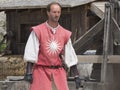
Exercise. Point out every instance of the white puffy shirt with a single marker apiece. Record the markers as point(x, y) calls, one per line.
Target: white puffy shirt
point(32, 50)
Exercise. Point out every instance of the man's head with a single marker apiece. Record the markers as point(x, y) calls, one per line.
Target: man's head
point(54, 11)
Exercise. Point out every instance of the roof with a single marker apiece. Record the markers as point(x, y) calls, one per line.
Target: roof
point(27, 4)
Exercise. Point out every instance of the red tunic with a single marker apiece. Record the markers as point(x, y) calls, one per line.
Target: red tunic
point(51, 46)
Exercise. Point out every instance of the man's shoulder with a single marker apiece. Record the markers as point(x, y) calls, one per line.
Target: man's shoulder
point(39, 25)
point(66, 30)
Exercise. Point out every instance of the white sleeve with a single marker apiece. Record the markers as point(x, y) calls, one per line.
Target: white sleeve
point(32, 48)
point(70, 55)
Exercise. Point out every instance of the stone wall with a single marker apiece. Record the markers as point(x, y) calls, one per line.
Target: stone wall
point(22, 85)
point(2, 23)
point(11, 66)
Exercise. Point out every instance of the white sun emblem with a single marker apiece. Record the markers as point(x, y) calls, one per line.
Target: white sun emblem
point(53, 47)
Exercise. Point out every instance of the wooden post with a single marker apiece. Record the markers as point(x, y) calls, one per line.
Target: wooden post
point(105, 45)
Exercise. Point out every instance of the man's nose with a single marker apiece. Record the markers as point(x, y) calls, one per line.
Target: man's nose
point(57, 14)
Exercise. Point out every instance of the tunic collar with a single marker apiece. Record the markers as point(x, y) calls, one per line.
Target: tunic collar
point(53, 29)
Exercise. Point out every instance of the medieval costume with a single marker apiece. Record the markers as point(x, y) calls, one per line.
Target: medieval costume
point(44, 47)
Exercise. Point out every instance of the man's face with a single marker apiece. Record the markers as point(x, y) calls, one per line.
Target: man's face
point(55, 12)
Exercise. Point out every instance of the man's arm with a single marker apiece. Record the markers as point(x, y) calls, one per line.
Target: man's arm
point(31, 55)
point(28, 74)
point(31, 48)
point(75, 73)
point(70, 55)
point(71, 61)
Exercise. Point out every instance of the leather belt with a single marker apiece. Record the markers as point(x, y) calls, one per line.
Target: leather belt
point(52, 66)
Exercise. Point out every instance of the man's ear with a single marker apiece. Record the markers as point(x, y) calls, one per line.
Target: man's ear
point(48, 13)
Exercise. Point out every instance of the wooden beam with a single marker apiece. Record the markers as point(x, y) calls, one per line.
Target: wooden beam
point(106, 45)
point(116, 32)
point(93, 43)
point(98, 8)
point(88, 36)
point(97, 59)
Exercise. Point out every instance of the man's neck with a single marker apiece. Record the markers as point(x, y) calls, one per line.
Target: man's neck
point(52, 24)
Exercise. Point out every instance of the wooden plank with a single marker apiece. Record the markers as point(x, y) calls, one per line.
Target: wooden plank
point(97, 58)
point(88, 36)
point(78, 28)
point(116, 32)
point(98, 8)
point(106, 44)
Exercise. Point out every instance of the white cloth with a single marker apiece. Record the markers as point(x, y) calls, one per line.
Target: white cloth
point(53, 29)
point(70, 55)
point(32, 50)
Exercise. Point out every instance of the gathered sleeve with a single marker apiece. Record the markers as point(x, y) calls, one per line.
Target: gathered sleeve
point(70, 56)
point(32, 48)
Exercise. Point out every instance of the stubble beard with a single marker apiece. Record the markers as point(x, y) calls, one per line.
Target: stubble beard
point(55, 19)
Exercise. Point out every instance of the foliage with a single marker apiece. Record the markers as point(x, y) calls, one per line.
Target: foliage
point(2, 47)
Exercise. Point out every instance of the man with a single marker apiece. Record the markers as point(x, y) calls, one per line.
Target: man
point(45, 46)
